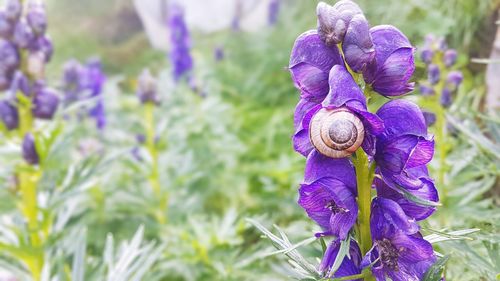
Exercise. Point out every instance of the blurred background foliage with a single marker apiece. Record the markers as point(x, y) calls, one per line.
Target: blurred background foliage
point(228, 156)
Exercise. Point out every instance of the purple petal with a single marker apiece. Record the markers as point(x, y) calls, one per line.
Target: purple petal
point(387, 39)
point(301, 140)
point(343, 89)
point(319, 166)
point(393, 154)
point(358, 46)
point(413, 248)
point(392, 76)
point(421, 154)
point(388, 217)
point(300, 111)
point(402, 117)
point(349, 266)
point(310, 63)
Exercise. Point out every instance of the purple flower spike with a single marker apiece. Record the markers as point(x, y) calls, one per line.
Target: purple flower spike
point(23, 35)
point(30, 154)
point(390, 72)
point(358, 46)
point(310, 64)
point(9, 115)
point(328, 194)
point(182, 62)
point(45, 103)
point(96, 79)
point(404, 144)
point(13, 10)
point(333, 22)
point(401, 257)
point(426, 55)
point(446, 98)
point(427, 192)
point(433, 74)
point(450, 57)
point(37, 18)
point(454, 79)
point(349, 266)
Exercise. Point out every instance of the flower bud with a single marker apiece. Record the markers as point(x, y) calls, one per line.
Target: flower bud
point(430, 118)
point(426, 90)
point(6, 27)
point(9, 56)
point(454, 79)
point(146, 87)
point(45, 103)
point(44, 45)
point(446, 98)
point(37, 18)
point(30, 154)
point(358, 46)
point(13, 10)
point(20, 83)
point(450, 57)
point(9, 115)
point(23, 35)
point(433, 74)
point(333, 22)
point(427, 55)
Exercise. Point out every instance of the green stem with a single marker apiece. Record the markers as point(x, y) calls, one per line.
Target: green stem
point(364, 178)
point(154, 178)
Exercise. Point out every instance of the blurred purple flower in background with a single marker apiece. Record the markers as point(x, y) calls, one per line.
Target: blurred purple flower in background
point(30, 154)
point(273, 11)
point(9, 115)
point(219, 53)
point(95, 82)
point(45, 103)
point(180, 43)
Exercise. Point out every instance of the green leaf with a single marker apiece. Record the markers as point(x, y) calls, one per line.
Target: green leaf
point(343, 252)
point(435, 272)
point(416, 199)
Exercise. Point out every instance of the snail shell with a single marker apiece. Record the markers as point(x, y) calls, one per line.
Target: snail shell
point(336, 133)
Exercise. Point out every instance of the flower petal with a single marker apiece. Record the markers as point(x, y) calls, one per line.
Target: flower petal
point(402, 117)
point(358, 46)
point(392, 76)
point(388, 217)
point(319, 166)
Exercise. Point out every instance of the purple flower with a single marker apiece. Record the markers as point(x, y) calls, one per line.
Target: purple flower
point(394, 65)
point(23, 36)
point(328, 192)
point(426, 55)
point(219, 53)
point(345, 23)
point(30, 154)
point(446, 98)
point(274, 9)
point(13, 10)
point(9, 115)
point(454, 79)
point(45, 103)
point(310, 64)
point(426, 90)
point(37, 18)
point(450, 57)
point(73, 81)
point(9, 56)
point(401, 251)
point(433, 74)
point(400, 257)
point(430, 118)
point(333, 22)
point(349, 266)
point(146, 87)
point(180, 56)
point(345, 94)
point(20, 83)
point(6, 26)
point(95, 82)
point(427, 192)
point(404, 144)
point(44, 45)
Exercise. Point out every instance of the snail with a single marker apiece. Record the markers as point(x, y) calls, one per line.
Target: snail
point(336, 133)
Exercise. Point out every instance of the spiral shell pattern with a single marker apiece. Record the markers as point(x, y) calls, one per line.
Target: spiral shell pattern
point(336, 133)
